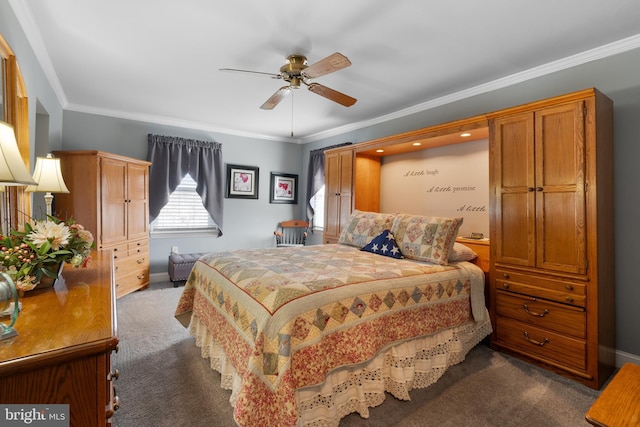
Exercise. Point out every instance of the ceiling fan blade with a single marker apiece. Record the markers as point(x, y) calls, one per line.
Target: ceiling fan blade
point(331, 63)
point(332, 94)
point(235, 70)
point(275, 99)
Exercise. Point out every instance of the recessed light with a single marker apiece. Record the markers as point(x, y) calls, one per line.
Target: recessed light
point(465, 134)
point(379, 151)
point(416, 144)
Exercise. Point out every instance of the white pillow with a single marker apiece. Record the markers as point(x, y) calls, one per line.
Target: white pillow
point(460, 252)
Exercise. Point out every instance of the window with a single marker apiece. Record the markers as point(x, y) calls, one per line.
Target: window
point(184, 212)
point(317, 203)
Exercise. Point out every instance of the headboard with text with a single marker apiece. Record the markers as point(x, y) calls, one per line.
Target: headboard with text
point(450, 181)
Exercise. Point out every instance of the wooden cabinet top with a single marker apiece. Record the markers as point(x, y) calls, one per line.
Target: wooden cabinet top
point(98, 153)
point(73, 319)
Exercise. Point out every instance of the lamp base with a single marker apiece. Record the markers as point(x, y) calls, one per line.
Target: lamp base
point(8, 333)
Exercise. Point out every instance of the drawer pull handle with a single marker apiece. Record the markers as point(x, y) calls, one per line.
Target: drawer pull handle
point(569, 287)
point(505, 285)
point(540, 343)
point(140, 277)
point(116, 401)
point(569, 299)
point(505, 275)
point(113, 375)
point(526, 308)
point(140, 260)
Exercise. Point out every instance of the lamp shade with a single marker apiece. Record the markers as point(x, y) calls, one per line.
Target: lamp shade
point(48, 176)
point(12, 168)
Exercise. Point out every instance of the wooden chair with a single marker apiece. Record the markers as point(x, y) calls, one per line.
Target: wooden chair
point(291, 233)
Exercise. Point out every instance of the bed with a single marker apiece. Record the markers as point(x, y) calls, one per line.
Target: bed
point(304, 336)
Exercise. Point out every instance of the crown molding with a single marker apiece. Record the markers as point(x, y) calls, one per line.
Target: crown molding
point(604, 51)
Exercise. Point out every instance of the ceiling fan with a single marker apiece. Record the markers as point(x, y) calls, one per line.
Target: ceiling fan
point(296, 71)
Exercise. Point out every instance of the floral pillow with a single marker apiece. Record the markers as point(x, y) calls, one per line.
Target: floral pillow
point(362, 227)
point(425, 238)
point(384, 244)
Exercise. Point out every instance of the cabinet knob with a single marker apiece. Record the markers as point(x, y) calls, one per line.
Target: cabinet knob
point(505, 285)
point(569, 299)
point(568, 287)
point(505, 275)
point(539, 188)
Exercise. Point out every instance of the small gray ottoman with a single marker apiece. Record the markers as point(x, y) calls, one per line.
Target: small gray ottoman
point(180, 266)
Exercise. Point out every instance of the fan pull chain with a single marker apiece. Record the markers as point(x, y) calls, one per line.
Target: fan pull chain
point(292, 113)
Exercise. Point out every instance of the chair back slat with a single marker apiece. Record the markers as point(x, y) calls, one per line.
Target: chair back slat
point(291, 233)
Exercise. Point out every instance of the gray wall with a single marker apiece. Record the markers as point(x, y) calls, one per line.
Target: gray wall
point(249, 223)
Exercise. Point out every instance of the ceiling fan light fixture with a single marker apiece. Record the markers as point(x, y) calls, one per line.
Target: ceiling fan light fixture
point(296, 71)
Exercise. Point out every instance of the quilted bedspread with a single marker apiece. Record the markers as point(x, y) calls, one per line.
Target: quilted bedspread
point(285, 317)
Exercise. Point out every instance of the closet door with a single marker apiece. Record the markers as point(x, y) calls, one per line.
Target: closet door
point(338, 193)
point(560, 189)
point(514, 176)
point(137, 201)
point(114, 197)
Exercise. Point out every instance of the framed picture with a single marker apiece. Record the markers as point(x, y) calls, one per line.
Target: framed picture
point(284, 188)
point(242, 181)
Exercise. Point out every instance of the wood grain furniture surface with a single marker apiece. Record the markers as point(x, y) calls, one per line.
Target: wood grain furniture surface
point(109, 195)
point(339, 183)
point(619, 403)
point(62, 353)
point(551, 209)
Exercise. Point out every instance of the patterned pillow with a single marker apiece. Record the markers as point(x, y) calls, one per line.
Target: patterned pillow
point(384, 244)
point(362, 227)
point(425, 238)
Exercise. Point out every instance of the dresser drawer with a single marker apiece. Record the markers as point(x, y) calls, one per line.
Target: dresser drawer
point(133, 281)
point(561, 318)
point(140, 246)
point(119, 251)
point(131, 263)
point(562, 291)
point(541, 344)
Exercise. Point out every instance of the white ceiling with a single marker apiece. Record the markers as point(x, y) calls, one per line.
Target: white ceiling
point(159, 60)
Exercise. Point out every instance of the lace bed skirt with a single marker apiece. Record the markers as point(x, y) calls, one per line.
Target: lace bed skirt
point(356, 388)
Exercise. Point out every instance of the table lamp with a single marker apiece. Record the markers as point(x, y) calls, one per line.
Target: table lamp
point(49, 180)
point(12, 168)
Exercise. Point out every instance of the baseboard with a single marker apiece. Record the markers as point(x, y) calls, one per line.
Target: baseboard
point(623, 357)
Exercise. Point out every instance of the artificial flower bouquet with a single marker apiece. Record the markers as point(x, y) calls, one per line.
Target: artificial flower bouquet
point(39, 248)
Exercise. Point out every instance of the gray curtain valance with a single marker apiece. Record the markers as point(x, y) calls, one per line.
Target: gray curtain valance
point(172, 158)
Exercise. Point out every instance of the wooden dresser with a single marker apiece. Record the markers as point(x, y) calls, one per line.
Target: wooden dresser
point(62, 353)
point(552, 247)
point(109, 195)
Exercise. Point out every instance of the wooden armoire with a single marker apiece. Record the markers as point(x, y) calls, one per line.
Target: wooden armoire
point(552, 226)
point(109, 195)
